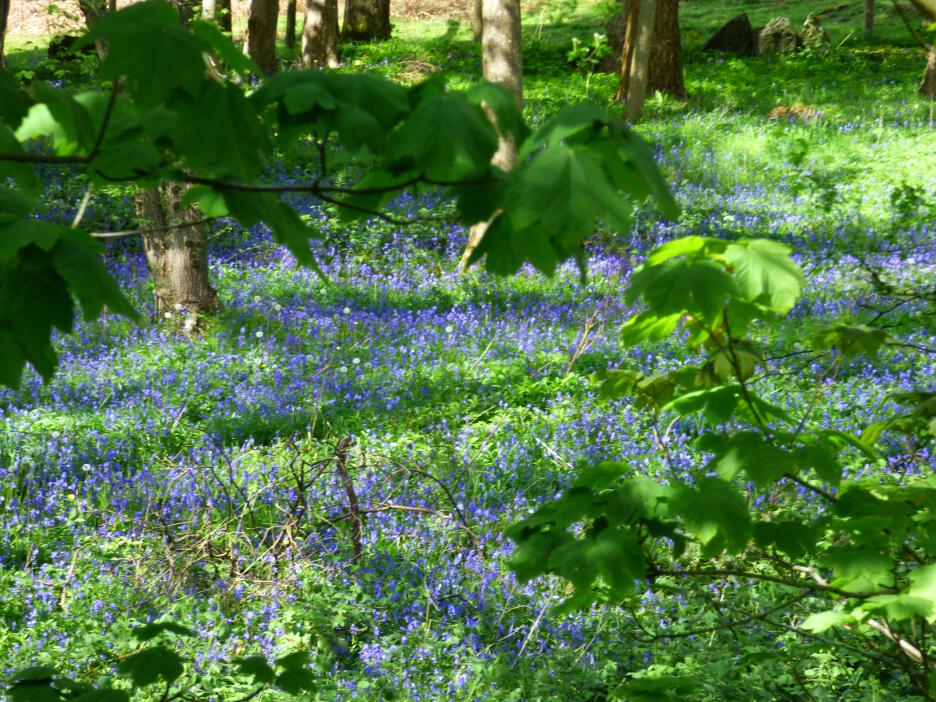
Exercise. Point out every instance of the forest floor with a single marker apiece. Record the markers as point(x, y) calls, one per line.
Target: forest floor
point(161, 476)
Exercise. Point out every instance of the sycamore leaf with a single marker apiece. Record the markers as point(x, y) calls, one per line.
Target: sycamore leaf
point(899, 607)
point(715, 513)
point(699, 288)
point(850, 340)
point(823, 621)
point(224, 48)
point(154, 629)
point(149, 665)
point(256, 667)
point(765, 273)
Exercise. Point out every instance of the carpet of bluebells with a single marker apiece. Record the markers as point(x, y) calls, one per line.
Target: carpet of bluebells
point(159, 476)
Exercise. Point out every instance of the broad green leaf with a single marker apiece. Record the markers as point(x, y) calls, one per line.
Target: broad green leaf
point(14, 104)
point(33, 692)
point(209, 200)
point(716, 403)
point(151, 631)
point(823, 621)
point(699, 288)
point(219, 133)
point(821, 459)
point(569, 124)
point(23, 174)
point(648, 326)
point(105, 695)
point(445, 138)
point(296, 681)
point(58, 115)
point(151, 51)
point(11, 358)
point(686, 246)
point(765, 273)
point(793, 538)
point(501, 103)
point(899, 607)
point(33, 673)
point(224, 48)
point(75, 258)
point(658, 688)
point(850, 340)
point(602, 475)
point(531, 555)
point(750, 451)
point(614, 556)
point(923, 582)
point(256, 667)
point(858, 568)
point(715, 513)
point(287, 227)
point(151, 665)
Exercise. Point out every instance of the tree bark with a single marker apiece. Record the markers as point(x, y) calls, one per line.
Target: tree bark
point(177, 254)
point(92, 11)
point(868, 18)
point(665, 62)
point(501, 63)
point(320, 34)
point(640, 64)
point(209, 10)
point(261, 34)
point(927, 87)
point(477, 18)
point(366, 20)
point(223, 15)
point(290, 23)
point(4, 15)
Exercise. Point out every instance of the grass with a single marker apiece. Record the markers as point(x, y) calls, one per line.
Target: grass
point(153, 476)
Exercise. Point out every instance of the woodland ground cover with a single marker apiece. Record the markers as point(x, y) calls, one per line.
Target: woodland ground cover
point(159, 476)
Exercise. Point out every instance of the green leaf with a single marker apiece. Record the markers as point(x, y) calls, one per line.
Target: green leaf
point(687, 246)
point(24, 174)
point(823, 621)
point(33, 692)
point(715, 513)
point(700, 288)
point(850, 340)
point(501, 102)
point(899, 607)
point(923, 582)
point(11, 359)
point(859, 568)
point(219, 133)
point(34, 673)
point(648, 326)
point(445, 138)
point(149, 48)
point(765, 273)
point(105, 695)
point(749, 451)
point(14, 103)
point(821, 459)
point(793, 538)
point(614, 556)
point(75, 258)
point(659, 688)
point(256, 667)
point(284, 222)
point(295, 681)
point(602, 475)
point(149, 665)
point(151, 631)
point(224, 48)
point(210, 201)
point(717, 403)
point(60, 116)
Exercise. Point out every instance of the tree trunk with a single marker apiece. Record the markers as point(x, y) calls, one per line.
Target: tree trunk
point(177, 254)
point(223, 15)
point(93, 10)
point(477, 21)
point(640, 65)
point(320, 34)
point(261, 34)
point(665, 67)
point(290, 23)
point(209, 10)
point(868, 18)
point(927, 87)
point(4, 15)
point(501, 63)
point(366, 20)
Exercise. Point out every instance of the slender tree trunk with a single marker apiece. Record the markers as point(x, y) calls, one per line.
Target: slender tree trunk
point(501, 63)
point(261, 34)
point(92, 11)
point(366, 20)
point(4, 15)
point(223, 15)
point(290, 23)
point(927, 87)
point(209, 10)
point(477, 21)
point(112, 5)
point(320, 34)
point(868, 19)
point(665, 67)
point(640, 65)
point(177, 254)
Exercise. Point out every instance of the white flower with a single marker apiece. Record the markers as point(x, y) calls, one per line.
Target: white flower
point(167, 315)
point(178, 307)
point(259, 335)
point(347, 310)
point(343, 369)
point(86, 468)
point(277, 306)
point(356, 360)
point(449, 329)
